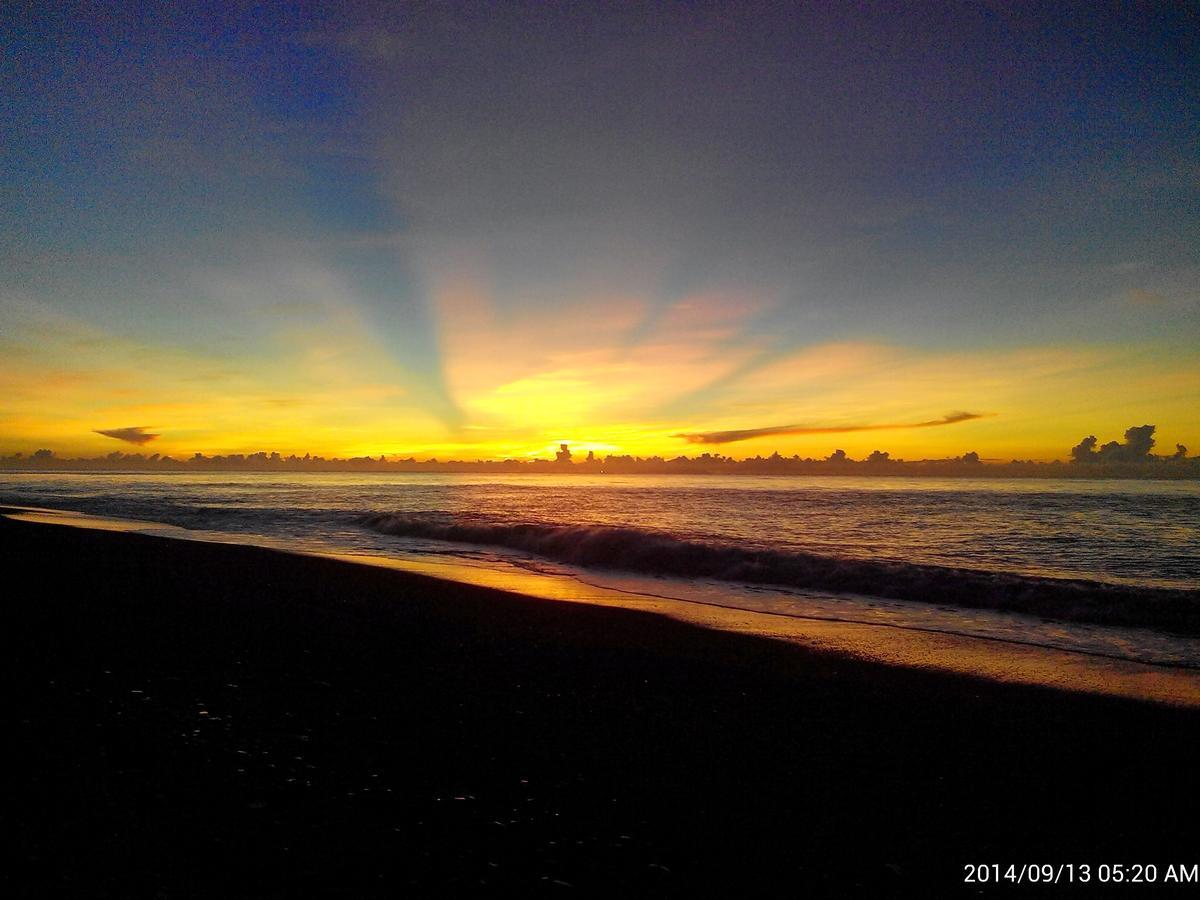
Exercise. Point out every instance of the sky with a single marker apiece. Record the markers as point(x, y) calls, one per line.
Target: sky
point(477, 230)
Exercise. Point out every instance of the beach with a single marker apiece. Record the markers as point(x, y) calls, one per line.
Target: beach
point(198, 719)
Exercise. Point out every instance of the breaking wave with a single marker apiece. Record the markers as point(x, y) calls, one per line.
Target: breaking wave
point(656, 553)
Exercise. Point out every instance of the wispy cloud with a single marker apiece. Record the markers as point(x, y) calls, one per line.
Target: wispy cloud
point(134, 434)
point(745, 434)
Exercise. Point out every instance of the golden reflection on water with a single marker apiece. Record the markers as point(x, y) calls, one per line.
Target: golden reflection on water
point(995, 660)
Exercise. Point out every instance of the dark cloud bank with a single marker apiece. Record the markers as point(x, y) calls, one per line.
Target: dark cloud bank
point(1139, 441)
point(1129, 460)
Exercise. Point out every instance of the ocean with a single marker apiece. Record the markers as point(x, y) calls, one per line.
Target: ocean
point(1107, 568)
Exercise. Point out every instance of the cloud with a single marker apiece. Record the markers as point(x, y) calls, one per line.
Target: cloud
point(135, 434)
point(1139, 441)
point(745, 434)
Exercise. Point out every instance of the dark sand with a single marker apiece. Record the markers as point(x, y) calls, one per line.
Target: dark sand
point(209, 720)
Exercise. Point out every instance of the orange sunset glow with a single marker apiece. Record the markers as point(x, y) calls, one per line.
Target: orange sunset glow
point(608, 375)
point(323, 241)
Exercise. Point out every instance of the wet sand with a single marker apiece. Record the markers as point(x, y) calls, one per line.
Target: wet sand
point(197, 719)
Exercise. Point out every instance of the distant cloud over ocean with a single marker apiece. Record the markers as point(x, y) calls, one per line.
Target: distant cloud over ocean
point(745, 434)
point(135, 434)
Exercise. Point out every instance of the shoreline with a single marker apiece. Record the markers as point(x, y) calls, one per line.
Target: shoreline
point(991, 658)
point(195, 718)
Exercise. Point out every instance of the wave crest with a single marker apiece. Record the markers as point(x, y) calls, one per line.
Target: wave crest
point(651, 552)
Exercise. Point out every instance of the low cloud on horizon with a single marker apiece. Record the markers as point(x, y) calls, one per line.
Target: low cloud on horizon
point(136, 434)
point(745, 434)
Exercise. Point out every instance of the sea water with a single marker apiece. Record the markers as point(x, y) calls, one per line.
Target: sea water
point(1004, 560)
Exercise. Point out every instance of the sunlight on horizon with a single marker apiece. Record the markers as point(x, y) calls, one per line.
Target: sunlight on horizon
point(521, 384)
